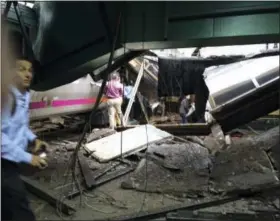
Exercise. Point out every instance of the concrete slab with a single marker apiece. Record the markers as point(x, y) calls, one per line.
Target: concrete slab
point(99, 133)
point(123, 143)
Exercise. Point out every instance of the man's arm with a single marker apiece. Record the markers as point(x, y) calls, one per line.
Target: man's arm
point(30, 135)
point(10, 152)
point(191, 110)
point(186, 105)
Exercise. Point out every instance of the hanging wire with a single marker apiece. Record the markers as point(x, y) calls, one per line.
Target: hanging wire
point(147, 143)
point(124, 50)
point(101, 91)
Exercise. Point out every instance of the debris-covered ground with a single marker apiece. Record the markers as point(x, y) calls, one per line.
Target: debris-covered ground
point(166, 174)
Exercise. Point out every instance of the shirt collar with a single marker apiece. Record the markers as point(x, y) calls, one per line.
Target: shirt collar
point(17, 93)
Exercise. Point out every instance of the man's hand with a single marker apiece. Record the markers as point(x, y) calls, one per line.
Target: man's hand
point(39, 162)
point(39, 145)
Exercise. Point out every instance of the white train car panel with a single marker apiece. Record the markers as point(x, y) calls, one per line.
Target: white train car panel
point(76, 97)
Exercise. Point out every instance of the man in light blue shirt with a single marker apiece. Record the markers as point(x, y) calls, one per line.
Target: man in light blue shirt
point(128, 91)
point(127, 95)
point(15, 137)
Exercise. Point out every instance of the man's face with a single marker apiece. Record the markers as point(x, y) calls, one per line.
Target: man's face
point(24, 73)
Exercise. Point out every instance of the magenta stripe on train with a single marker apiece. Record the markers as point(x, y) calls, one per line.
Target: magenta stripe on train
point(62, 103)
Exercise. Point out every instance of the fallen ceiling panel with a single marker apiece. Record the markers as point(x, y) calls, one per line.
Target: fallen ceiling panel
point(123, 143)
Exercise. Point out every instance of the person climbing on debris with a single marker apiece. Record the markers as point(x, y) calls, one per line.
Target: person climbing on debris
point(208, 117)
point(114, 94)
point(128, 88)
point(191, 112)
point(15, 137)
point(184, 108)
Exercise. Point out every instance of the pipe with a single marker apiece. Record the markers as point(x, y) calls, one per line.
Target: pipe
point(25, 36)
point(7, 9)
point(75, 154)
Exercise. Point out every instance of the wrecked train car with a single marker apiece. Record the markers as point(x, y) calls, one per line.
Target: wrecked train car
point(80, 95)
point(243, 91)
point(76, 97)
point(73, 97)
point(178, 76)
point(227, 83)
point(148, 85)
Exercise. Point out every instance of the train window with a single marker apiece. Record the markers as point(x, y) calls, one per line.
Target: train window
point(232, 92)
point(268, 76)
point(152, 69)
point(155, 69)
point(146, 63)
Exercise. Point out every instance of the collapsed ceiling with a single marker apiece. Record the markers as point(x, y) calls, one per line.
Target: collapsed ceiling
point(69, 46)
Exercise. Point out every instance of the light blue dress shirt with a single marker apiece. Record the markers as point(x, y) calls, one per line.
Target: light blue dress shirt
point(128, 91)
point(15, 129)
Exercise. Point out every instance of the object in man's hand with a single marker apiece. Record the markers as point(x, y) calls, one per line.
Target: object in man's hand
point(43, 155)
point(39, 162)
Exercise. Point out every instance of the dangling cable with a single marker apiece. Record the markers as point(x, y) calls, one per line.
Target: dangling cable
point(72, 163)
point(100, 94)
point(123, 77)
point(146, 129)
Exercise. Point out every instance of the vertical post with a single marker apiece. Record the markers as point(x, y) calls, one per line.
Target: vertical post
point(140, 99)
point(134, 91)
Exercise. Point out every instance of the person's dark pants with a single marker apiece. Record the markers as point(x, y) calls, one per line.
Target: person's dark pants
point(15, 205)
point(184, 118)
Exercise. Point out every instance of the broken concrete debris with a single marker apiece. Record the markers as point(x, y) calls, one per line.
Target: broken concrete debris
point(70, 146)
point(57, 120)
point(191, 158)
point(34, 187)
point(192, 167)
point(239, 167)
point(268, 141)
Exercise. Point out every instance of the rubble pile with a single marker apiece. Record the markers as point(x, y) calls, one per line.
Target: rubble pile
point(174, 169)
point(204, 169)
point(189, 168)
point(241, 168)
